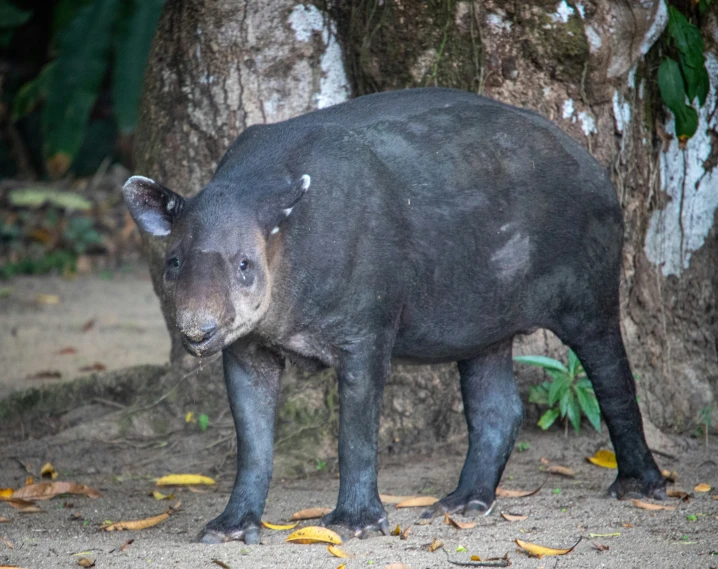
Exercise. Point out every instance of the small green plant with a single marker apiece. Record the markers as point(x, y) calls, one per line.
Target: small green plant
point(321, 465)
point(681, 81)
point(692, 518)
point(203, 422)
point(568, 394)
point(523, 446)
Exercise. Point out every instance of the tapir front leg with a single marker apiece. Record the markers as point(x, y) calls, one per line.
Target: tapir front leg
point(252, 377)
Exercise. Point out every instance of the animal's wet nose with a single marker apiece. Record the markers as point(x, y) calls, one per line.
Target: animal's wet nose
point(201, 333)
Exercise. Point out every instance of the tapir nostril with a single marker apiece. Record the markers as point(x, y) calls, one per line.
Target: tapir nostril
point(203, 333)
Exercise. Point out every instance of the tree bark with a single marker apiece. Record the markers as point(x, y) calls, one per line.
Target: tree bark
point(218, 66)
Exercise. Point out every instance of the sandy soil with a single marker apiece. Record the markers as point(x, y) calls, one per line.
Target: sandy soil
point(113, 319)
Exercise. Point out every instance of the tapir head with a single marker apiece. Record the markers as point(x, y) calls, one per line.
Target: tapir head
point(216, 272)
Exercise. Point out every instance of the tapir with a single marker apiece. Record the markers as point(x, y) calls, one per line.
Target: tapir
point(423, 226)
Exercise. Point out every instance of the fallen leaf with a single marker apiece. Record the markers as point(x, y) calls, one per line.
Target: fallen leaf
point(4, 520)
point(545, 460)
point(342, 566)
point(47, 490)
point(29, 481)
point(603, 458)
point(396, 566)
point(561, 470)
point(627, 525)
point(185, 480)
point(86, 562)
point(396, 530)
point(22, 505)
point(126, 544)
point(505, 493)
point(310, 514)
point(648, 506)
point(76, 516)
point(68, 505)
point(436, 544)
point(542, 551)
point(47, 299)
point(513, 517)
point(703, 487)
point(669, 475)
point(6, 492)
point(336, 552)
point(46, 374)
point(8, 542)
point(417, 502)
point(10, 567)
point(715, 498)
point(160, 496)
point(48, 471)
point(389, 499)
point(97, 366)
point(614, 534)
point(314, 534)
point(600, 546)
point(279, 527)
point(680, 494)
point(136, 524)
point(457, 524)
point(405, 533)
point(220, 563)
point(66, 351)
point(89, 325)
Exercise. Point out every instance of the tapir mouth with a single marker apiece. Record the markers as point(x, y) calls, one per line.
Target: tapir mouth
point(205, 347)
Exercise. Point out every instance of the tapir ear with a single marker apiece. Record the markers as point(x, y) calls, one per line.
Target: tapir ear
point(277, 208)
point(153, 207)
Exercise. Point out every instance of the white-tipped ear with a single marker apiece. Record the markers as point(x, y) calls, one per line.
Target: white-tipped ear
point(153, 207)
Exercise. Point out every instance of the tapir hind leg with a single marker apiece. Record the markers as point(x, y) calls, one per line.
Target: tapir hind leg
point(494, 413)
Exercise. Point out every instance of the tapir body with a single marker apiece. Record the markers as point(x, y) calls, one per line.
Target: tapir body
point(426, 225)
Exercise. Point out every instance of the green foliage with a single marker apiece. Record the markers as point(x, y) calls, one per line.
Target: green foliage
point(522, 446)
point(321, 465)
point(11, 17)
point(568, 395)
point(681, 82)
point(203, 422)
point(91, 36)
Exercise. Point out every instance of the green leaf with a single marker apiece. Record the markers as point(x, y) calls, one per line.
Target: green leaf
point(34, 197)
point(64, 12)
point(135, 29)
point(574, 364)
point(687, 37)
point(83, 56)
point(548, 418)
point(538, 394)
point(11, 16)
point(703, 6)
point(704, 84)
point(686, 123)
point(203, 422)
point(584, 383)
point(670, 83)
point(557, 390)
point(542, 362)
point(573, 410)
point(589, 406)
point(32, 93)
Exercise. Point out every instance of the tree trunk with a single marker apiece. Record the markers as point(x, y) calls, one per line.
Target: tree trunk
point(217, 67)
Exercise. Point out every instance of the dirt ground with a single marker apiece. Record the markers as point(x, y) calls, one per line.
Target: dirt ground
point(128, 329)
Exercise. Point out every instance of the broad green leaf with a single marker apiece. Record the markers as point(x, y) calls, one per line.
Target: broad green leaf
point(64, 12)
point(703, 6)
point(686, 123)
point(670, 83)
point(34, 197)
point(548, 418)
point(541, 361)
point(573, 410)
point(538, 394)
point(687, 37)
point(584, 383)
point(135, 29)
point(557, 390)
point(11, 16)
point(83, 56)
point(32, 93)
point(574, 364)
point(704, 84)
point(589, 406)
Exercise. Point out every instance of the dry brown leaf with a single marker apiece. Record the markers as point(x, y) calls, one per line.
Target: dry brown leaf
point(513, 517)
point(66, 351)
point(127, 544)
point(669, 475)
point(436, 544)
point(46, 374)
point(47, 490)
point(417, 502)
point(702, 487)
point(545, 460)
point(680, 494)
point(87, 326)
point(220, 563)
point(48, 471)
point(715, 497)
point(22, 505)
point(6, 493)
point(405, 533)
point(600, 546)
point(314, 534)
point(448, 520)
point(136, 524)
point(649, 506)
point(29, 480)
point(310, 514)
point(396, 530)
point(196, 490)
point(561, 470)
point(396, 566)
point(336, 552)
point(279, 527)
point(603, 458)
point(4, 520)
point(97, 366)
point(627, 525)
point(185, 480)
point(10, 567)
point(389, 499)
point(76, 516)
point(86, 562)
point(506, 493)
point(540, 551)
point(8, 542)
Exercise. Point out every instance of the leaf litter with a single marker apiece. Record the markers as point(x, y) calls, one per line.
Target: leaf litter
point(536, 550)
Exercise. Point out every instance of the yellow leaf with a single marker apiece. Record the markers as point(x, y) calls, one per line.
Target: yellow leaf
point(47, 490)
point(185, 480)
point(436, 544)
point(48, 471)
point(396, 530)
point(47, 299)
point(137, 524)
point(160, 496)
point(513, 517)
point(310, 514)
point(389, 499)
point(703, 487)
point(457, 524)
point(405, 534)
point(417, 502)
point(314, 534)
point(86, 562)
point(672, 476)
point(342, 566)
point(279, 527)
point(29, 480)
point(562, 470)
point(475, 558)
point(336, 552)
point(542, 551)
point(604, 458)
point(189, 417)
point(6, 492)
point(649, 506)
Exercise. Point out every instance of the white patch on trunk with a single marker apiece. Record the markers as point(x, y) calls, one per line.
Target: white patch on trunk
point(563, 13)
point(680, 229)
point(588, 123)
point(593, 38)
point(567, 109)
point(660, 20)
point(497, 21)
point(621, 112)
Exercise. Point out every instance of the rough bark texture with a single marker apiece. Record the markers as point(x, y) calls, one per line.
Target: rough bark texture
point(590, 66)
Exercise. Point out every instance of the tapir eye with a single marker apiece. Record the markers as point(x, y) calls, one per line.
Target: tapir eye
point(243, 265)
point(173, 263)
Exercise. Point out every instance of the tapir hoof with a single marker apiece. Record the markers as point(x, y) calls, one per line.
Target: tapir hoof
point(639, 488)
point(220, 530)
point(361, 525)
point(453, 504)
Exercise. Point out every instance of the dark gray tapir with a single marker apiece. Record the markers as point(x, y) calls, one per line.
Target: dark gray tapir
point(426, 225)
